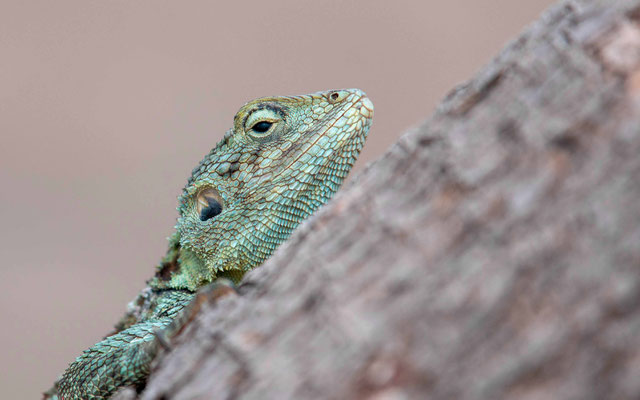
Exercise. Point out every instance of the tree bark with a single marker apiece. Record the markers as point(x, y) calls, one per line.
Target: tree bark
point(494, 252)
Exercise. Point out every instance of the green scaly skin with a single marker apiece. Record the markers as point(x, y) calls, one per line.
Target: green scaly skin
point(243, 200)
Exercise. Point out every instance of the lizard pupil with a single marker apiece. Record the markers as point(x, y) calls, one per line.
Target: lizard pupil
point(214, 208)
point(262, 126)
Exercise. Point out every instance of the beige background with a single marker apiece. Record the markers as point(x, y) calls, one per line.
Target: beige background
point(107, 105)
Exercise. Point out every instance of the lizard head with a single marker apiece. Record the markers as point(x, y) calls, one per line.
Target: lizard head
point(284, 158)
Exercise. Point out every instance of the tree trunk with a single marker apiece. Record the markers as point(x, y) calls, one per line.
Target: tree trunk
point(492, 253)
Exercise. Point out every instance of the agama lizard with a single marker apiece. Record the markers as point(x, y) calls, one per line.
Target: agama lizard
point(283, 158)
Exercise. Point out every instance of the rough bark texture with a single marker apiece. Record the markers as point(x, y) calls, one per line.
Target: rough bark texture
point(492, 253)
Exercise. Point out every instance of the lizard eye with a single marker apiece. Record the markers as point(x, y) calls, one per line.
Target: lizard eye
point(264, 123)
point(208, 204)
point(262, 126)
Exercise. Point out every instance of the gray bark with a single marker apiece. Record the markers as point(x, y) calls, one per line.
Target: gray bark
point(492, 253)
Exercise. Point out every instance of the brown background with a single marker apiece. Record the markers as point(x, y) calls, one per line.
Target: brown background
point(106, 107)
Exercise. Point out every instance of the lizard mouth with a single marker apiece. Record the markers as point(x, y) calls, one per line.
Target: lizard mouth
point(354, 120)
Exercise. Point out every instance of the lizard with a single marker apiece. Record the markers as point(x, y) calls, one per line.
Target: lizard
point(283, 159)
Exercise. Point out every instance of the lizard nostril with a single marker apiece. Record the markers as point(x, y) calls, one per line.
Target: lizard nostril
point(334, 96)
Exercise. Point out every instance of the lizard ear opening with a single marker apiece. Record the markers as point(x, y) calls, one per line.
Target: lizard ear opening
point(208, 204)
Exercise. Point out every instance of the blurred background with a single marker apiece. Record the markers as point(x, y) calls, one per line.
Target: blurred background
point(108, 105)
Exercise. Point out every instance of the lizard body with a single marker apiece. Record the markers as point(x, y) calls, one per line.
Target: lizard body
point(283, 158)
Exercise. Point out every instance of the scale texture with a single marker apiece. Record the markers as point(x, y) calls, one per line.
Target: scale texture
point(284, 158)
point(492, 253)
